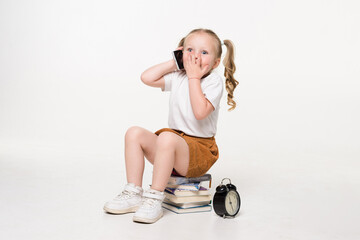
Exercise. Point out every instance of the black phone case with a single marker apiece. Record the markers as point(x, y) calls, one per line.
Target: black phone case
point(178, 55)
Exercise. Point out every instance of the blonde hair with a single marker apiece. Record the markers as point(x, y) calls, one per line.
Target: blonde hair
point(228, 62)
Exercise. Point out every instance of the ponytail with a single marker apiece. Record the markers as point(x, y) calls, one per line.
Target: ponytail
point(230, 68)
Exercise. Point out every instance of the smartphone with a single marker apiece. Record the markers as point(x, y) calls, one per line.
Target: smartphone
point(178, 57)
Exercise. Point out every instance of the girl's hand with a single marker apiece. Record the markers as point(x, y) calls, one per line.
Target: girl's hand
point(193, 67)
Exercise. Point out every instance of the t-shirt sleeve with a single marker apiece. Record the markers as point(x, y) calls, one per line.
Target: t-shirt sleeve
point(168, 81)
point(214, 90)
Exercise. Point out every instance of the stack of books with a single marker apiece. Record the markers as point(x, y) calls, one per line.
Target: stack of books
point(188, 195)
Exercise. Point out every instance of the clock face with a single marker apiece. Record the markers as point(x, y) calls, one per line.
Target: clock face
point(232, 203)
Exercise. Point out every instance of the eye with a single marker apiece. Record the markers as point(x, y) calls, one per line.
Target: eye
point(204, 52)
point(189, 49)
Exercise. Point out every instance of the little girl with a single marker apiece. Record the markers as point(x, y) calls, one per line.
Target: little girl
point(187, 147)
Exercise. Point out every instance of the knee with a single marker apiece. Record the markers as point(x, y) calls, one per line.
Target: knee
point(166, 140)
point(133, 133)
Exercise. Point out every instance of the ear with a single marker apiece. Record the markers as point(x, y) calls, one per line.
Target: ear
point(217, 62)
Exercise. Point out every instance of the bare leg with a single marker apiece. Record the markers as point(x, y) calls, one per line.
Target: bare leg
point(172, 151)
point(139, 142)
point(165, 152)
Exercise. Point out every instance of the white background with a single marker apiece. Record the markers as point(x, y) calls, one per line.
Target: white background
point(70, 86)
point(70, 72)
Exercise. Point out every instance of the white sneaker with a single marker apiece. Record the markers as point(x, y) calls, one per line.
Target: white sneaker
point(126, 202)
point(150, 210)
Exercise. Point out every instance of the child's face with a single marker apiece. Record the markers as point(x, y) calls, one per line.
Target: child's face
point(202, 46)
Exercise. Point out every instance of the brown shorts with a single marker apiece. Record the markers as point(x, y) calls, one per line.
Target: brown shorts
point(203, 152)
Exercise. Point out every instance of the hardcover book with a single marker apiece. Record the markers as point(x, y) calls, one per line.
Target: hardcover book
point(187, 199)
point(186, 186)
point(181, 192)
point(187, 205)
point(206, 208)
point(177, 180)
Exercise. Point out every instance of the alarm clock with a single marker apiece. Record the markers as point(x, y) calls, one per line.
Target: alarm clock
point(226, 202)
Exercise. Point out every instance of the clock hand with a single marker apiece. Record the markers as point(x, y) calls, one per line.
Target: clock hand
point(235, 200)
point(231, 205)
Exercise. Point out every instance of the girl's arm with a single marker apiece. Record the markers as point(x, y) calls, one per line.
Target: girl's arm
point(154, 76)
point(201, 106)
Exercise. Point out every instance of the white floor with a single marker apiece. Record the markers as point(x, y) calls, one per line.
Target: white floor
point(57, 196)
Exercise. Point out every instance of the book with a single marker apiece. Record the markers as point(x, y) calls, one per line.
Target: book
point(187, 205)
point(205, 208)
point(186, 186)
point(177, 180)
point(181, 192)
point(187, 195)
point(187, 199)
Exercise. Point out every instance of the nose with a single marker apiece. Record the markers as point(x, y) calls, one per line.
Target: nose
point(197, 55)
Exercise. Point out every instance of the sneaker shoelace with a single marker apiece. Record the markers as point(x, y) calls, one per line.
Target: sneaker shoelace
point(125, 195)
point(149, 202)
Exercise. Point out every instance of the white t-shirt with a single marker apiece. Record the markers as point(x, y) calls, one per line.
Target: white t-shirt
point(181, 116)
